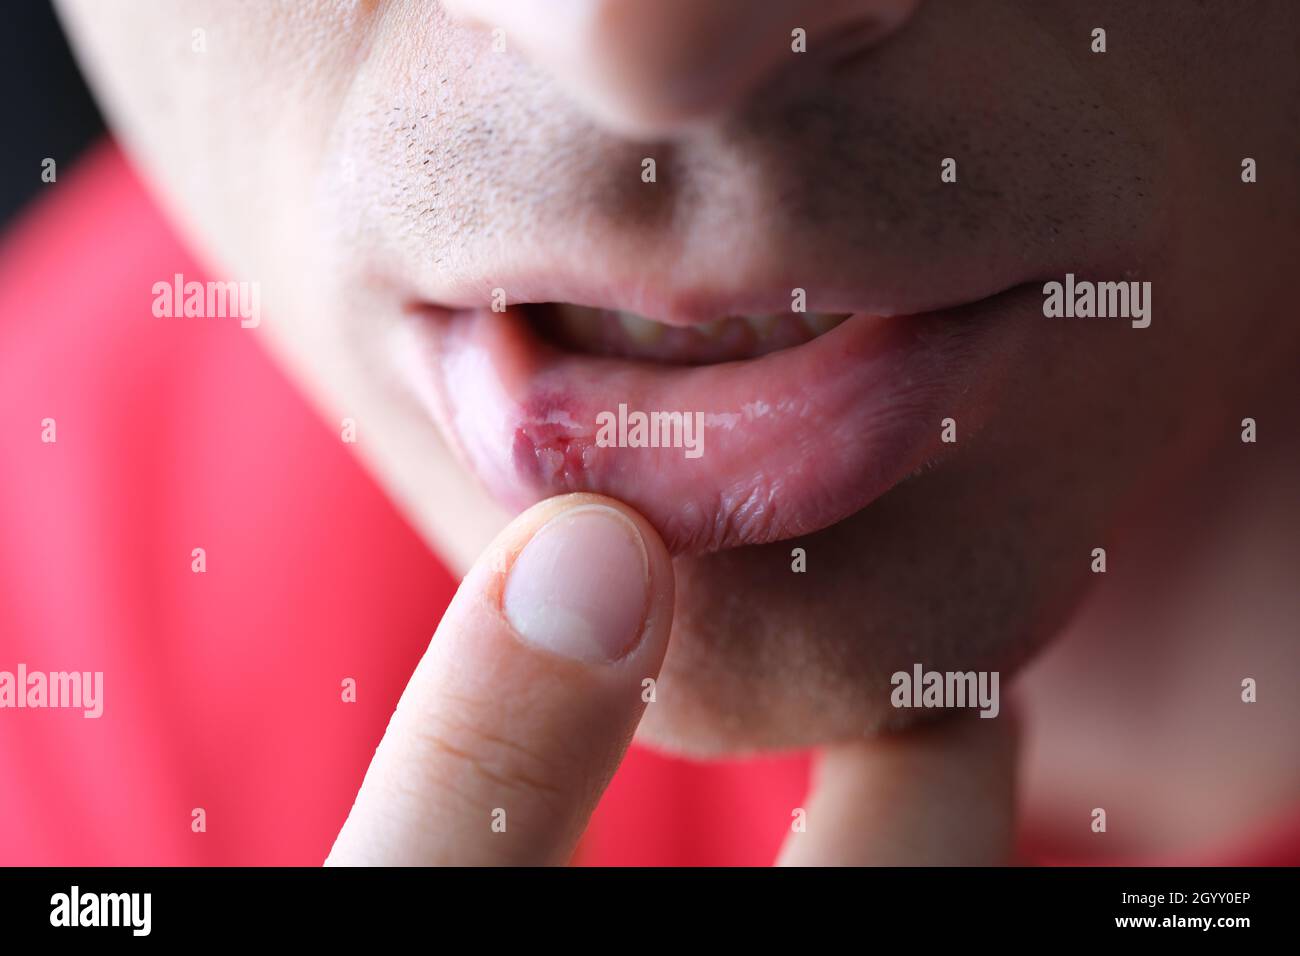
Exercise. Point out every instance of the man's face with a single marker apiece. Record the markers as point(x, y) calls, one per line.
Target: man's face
point(946, 457)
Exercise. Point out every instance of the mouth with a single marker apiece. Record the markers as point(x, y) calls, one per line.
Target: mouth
point(741, 430)
point(621, 334)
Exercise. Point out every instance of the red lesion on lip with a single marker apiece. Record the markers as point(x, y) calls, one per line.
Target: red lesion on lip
point(554, 455)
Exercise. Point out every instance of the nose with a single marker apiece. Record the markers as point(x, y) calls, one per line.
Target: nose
point(649, 67)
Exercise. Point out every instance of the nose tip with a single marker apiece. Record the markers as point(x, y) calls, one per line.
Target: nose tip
point(649, 67)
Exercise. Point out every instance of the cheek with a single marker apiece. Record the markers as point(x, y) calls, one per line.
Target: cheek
point(226, 107)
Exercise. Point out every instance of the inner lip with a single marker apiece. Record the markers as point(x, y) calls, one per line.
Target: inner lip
point(618, 333)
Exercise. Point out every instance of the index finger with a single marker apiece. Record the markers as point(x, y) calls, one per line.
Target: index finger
point(523, 705)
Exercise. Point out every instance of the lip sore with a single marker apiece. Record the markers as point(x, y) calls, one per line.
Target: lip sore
point(548, 455)
point(793, 441)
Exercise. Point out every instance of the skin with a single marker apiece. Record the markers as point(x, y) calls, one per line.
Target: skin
point(354, 156)
point(488, 721)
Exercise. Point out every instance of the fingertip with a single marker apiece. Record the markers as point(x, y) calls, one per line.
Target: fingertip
point(528, 695)
point(585, 577)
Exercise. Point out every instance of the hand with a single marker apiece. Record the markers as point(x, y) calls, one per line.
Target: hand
point(524, 704)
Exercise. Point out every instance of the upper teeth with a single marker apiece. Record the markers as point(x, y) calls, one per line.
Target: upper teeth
point(819, 323)
point(607, 331)
point(647, 331)
point(641, 330)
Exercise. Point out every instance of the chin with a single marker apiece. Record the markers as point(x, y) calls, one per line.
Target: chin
point(763, 658)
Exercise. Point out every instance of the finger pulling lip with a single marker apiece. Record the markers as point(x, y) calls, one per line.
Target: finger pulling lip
point(715, 456)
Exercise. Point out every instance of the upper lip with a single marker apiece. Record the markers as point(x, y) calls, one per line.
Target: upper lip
point(698, 299)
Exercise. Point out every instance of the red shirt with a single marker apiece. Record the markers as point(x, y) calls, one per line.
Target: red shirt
point(223, 690)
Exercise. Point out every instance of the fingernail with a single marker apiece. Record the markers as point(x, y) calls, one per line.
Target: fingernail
point(580, 587)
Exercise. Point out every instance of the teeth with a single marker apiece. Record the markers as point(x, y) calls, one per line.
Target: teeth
point(642, 331)
point(819, 323)
point(608, 331)
point(647, 331)
point(762, 324)
point(712, 330)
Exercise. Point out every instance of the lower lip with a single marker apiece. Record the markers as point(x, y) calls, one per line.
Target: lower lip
point(792, 442)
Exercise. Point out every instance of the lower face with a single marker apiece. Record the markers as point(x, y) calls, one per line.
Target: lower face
point(452, 256)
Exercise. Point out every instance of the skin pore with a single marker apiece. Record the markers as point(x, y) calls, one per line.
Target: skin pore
point(360, 159)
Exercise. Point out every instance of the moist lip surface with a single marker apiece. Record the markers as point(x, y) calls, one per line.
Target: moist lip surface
point(794, 440)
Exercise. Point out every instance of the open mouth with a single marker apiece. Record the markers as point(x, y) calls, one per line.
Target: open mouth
point(619, 334)
point(743, 430)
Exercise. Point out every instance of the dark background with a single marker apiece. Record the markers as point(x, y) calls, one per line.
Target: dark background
point(45, 108)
